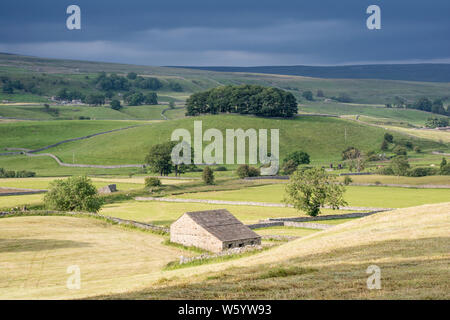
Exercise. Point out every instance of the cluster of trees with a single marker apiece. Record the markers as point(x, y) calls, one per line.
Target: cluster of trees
point(16, 174)
point(424, 104)
point(8, 85)
point(436, 122)
point(65, 94)
point(399, 166)
point(133, 98)
point(343, 97)
point(243, 99)
point(114, 82)
point(32, 85)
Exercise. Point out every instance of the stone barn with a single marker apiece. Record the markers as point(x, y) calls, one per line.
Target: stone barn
point(108, 189)
point(212, 230)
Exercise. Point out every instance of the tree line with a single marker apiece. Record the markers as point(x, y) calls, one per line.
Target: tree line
point(423, 104)
point(243, 99)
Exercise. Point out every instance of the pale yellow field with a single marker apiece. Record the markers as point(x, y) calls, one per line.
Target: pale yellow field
point(35, 253)
point(436, 135)
point(15, 201)
point(164, 213)
point(140, 180)
point(413, 181)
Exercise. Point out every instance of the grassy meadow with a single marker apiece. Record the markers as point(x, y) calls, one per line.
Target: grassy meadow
point(323, 138)
point(410, 244)
point(358, 196)
point(411, 247)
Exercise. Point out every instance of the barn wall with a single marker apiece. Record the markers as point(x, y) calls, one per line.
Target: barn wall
point(186, 232)
point(240, 243)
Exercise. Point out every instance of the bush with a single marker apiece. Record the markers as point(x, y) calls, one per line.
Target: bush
point(152, 182)
point(25, 174)
point(253, 172)
point(208, 175)
point(417, 149)
point(422, 172)
point(299, 157)
point(244, 171)
point(400, 165)
point(73, 194)
point(351, 153)
point(221, 168)
point(445, 170)
point(347, 180)
point(115, 105)
point(18, 174)
point(289, 167)
point(385, 171)
point(399, 150)
point(388, 137)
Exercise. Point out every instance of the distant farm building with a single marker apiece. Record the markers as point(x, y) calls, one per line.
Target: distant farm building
point(213, 230)
point(108, 189)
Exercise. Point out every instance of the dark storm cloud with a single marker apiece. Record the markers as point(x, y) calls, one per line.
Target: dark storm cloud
point(229, 32)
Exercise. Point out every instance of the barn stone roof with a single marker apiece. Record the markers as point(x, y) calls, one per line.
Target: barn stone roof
point(222, 224)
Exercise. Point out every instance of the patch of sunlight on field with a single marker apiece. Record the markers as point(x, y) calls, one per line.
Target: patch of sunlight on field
point(164, 213)
point(285, 231)
point(435, 135)
point(16, 201)
point(373, 178)
point(141, 180)
point(43, 183)
point(383, 197)
point(35, 253)
point(410, 245)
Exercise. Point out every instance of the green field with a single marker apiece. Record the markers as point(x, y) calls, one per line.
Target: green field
point(164, 213)
point(38, 112)
point(323, 138)
point(55, 74)
point(36, 134)
point(415, 117)
point(381, 197)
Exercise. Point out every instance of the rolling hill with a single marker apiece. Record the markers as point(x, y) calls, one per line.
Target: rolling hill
point(324, 138)
point(55, 74)
point(410, 246)
point(427, 72)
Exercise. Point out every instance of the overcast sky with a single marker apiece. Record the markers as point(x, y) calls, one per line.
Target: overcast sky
point(229, 32)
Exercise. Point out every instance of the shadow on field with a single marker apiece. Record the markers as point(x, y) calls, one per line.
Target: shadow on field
point(409, 269)
point(24, 245)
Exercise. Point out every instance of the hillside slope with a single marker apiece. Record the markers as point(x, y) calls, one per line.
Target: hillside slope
point(63, 73)
point(410, 246)
point(409, 72)
point(322, 137)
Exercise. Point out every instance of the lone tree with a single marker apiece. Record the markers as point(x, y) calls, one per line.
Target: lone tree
point(208, 175)
point(400, 165)
point(115, 105)
point(159, 158)
point(388, 137)
point(312, 189)
point(73, 194)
